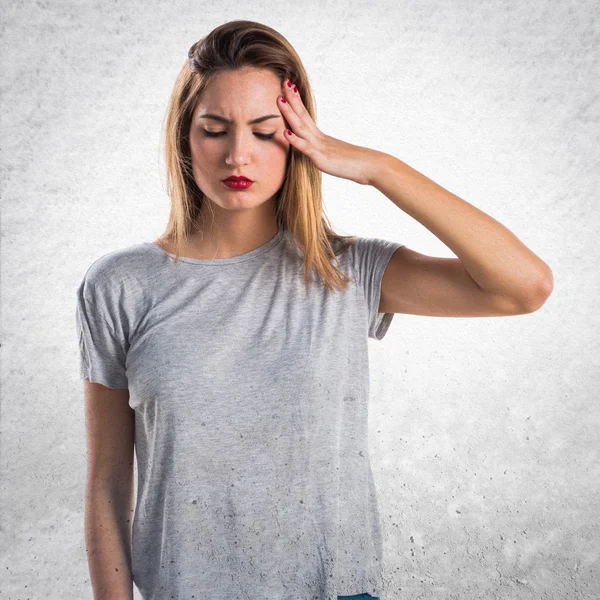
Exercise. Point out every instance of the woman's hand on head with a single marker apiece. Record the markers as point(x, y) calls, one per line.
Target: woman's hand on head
point(330, 155)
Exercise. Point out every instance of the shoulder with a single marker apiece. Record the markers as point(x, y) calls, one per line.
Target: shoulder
point(362, 252)
point(116, 270)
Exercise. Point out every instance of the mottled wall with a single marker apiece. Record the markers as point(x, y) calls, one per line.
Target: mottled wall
point(484, 431)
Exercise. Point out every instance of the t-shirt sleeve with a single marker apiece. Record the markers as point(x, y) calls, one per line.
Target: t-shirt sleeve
point(371, 256)
point(102, 352)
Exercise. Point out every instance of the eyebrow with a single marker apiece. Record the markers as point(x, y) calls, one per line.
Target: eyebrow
point(224, 120)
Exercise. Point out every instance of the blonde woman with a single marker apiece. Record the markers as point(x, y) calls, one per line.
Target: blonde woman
point(232, 351)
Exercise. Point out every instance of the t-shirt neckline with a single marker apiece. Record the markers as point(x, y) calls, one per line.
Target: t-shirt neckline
point(225, 261)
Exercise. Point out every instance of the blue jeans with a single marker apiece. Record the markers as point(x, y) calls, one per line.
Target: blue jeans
point(358, 597)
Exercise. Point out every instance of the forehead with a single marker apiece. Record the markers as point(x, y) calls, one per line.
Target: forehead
point(239, 92)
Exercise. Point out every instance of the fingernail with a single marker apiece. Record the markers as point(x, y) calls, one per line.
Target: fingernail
point(282, 99)
point(289, 83)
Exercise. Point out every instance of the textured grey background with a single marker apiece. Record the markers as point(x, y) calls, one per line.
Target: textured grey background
point(484, 432)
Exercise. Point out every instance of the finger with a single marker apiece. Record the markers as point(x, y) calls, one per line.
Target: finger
point(297, 141)
point(289, 114)
point(293, 97)
point(294, 102)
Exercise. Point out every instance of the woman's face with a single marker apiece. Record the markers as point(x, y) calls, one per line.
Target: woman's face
point(257, 151)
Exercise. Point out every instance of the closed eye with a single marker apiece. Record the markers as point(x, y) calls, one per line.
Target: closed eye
point(263, 136)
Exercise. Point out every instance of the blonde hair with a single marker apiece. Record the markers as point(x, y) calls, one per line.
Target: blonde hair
point(299, 210)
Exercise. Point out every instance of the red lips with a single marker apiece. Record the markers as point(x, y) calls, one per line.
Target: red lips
point(240, 178)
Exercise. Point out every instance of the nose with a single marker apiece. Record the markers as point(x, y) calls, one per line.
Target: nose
point(238, 150)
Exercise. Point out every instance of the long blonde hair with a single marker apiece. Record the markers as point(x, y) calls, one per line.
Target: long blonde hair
point(235, 45)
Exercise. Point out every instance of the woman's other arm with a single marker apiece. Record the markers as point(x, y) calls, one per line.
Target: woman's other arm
point(109, 501)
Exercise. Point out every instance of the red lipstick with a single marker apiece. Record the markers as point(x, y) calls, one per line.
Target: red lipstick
point(238, 183)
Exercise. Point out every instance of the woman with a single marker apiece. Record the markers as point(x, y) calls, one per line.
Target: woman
point(232, 351)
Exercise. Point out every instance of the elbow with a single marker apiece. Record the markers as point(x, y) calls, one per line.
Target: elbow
point(537, 298)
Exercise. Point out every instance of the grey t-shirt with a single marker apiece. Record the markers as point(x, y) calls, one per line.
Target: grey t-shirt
point(251, 415)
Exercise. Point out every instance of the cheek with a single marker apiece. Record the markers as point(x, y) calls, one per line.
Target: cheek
point(204, 157)
point(201, 148)
point(275, 154)
point(272, 165)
